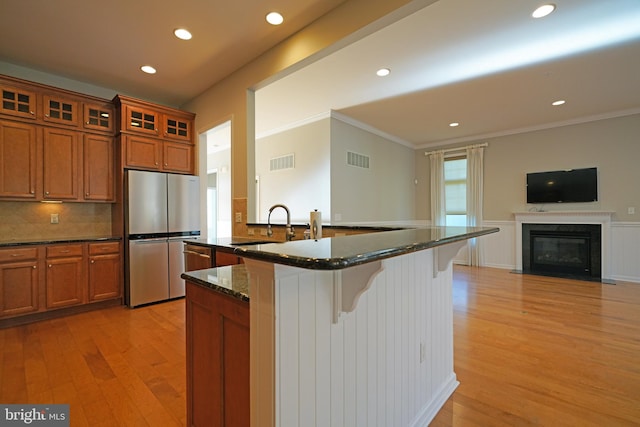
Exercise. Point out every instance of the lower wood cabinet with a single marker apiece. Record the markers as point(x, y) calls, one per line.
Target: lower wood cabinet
point(223, 258)
point(64, 277)
point(197, 257)
point(39, 278)
point(217, 358)
point(18, 281)
point(105, 269)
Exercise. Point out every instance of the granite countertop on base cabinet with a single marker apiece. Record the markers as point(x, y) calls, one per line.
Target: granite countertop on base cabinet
point(231, 280)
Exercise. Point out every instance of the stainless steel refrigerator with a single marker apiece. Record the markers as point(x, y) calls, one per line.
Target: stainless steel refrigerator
point(162, 210)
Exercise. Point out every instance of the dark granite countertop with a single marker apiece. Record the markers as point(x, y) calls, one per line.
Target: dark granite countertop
point(339, 226)
point(53, 240)
point(231, 280)
point(334, 253)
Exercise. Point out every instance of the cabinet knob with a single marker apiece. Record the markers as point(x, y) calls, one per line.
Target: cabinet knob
point(156, 163)
point(33, 191)
point(46, 193)
point(34, 267)
point(166, 164)
point(93, 261)
point(46, 115)
point(49, 265)
point(32, 113)
point(86, 194)
point(87, 122)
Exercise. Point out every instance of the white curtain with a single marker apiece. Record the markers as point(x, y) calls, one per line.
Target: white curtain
point(437, 188)
point(475, 161)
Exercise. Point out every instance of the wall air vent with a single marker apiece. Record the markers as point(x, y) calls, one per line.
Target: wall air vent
point(358, 160)
point(283, 162)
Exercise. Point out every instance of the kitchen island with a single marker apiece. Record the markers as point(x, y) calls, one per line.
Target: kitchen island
point(353, 330)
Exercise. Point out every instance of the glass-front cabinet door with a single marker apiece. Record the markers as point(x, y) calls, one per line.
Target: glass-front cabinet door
point(98, 117)
point(18, 102)
point(177, 128)
point(142, 120)
point(60, 110)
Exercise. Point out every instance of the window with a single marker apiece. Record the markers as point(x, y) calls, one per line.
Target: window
point(455, 191)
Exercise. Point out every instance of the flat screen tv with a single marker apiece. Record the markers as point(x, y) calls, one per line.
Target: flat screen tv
point(566, 186)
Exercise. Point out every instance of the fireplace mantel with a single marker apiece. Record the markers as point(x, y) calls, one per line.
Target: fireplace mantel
point(568, 217)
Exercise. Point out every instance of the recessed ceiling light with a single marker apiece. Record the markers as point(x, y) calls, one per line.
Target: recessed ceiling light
point(274, 18)
point(454, 124)
point(148, 69)
point(182, 34)
point(543, 10)
point(558, 102)
point(383, 72)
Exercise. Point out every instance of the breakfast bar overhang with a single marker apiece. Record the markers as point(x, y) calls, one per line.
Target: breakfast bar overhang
point(354, 330)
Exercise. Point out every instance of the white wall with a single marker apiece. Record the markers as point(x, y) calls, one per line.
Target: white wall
point(382, 193)
point(305, 187)
point(220, 162)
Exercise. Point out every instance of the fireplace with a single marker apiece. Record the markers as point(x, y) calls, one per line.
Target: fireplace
point(564, 250)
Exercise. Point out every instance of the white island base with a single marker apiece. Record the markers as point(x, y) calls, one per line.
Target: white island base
point(370, 345)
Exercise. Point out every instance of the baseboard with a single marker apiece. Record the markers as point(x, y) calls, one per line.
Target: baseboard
point(429, 412)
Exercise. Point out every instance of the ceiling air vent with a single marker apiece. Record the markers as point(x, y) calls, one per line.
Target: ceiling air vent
point(358, 160)
point(280, 163)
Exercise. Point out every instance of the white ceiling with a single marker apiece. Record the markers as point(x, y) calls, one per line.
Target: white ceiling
point(104, 43)
point(448, 60)
point(485, 64)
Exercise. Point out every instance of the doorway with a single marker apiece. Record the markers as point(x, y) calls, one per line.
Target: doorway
point(218, 181)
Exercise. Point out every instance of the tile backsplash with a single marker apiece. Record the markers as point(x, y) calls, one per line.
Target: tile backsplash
point(32, 220)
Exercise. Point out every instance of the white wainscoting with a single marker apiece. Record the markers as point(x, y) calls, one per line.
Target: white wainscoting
point(387, 363)
point(499, 248)
point(500, 251)
point(625, 251)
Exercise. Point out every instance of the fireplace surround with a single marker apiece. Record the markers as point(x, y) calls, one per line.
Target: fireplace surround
point(565, 250)
point(601, 218)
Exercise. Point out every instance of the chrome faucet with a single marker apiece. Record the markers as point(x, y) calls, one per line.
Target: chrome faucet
point(290, 233)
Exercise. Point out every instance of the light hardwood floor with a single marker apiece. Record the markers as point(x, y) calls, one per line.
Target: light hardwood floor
point(538, 351)
point(529, 351)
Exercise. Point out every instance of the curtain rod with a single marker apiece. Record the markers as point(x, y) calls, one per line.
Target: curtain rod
point(448, 150)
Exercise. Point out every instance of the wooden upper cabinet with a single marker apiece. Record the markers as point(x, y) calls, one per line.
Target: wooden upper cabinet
point(99, 117)
point(141, 120)
point(61, 154)
point(178, 128)
point(144, 153)
point(98, 168)
point(155, 137)
point(177, 157)
point(18, 102)
point(60, 110)
point(18, 167)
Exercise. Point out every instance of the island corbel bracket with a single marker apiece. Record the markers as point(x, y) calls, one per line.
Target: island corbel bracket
point(442, 256)
point(349, 284)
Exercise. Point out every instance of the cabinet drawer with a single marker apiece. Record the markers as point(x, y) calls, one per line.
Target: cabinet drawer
point(104, 248)
point(64, 251)
point(18, 254)
point(223, 258)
